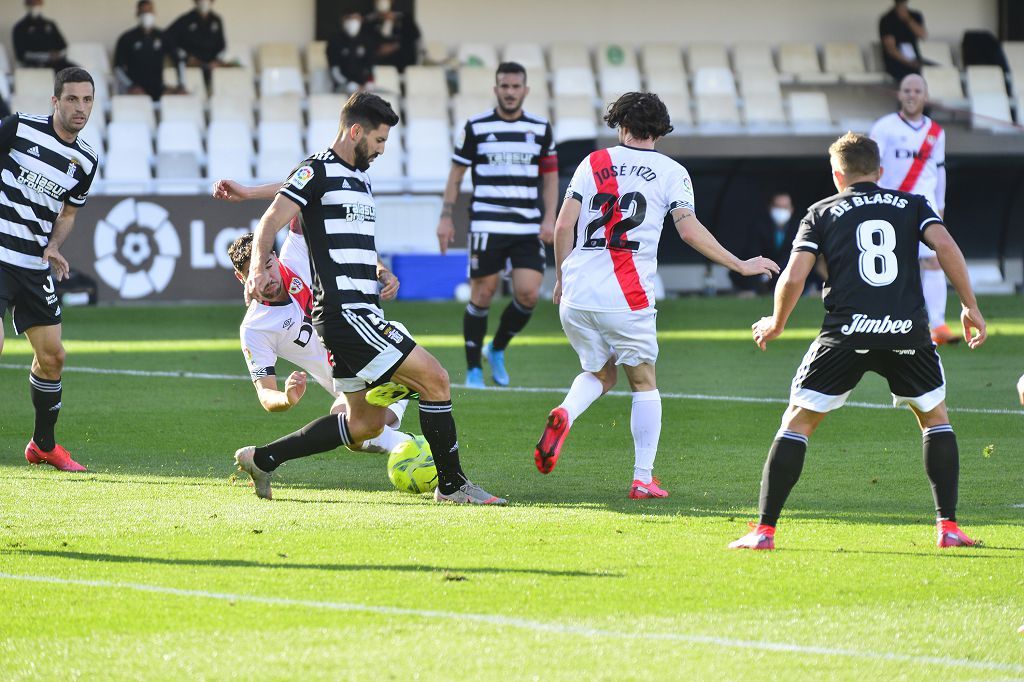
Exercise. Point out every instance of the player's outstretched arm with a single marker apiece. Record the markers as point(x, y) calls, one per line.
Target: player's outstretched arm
point(565, 224)
point(953, 264)
point(446, 225)
point(787, 292)
point(696, 235)
point(274, 400)
point(229, 190)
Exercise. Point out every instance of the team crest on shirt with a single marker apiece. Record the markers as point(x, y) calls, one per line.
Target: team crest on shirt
point(530, 138)
point(72, 167)
point(296, 286)
point(301, 177)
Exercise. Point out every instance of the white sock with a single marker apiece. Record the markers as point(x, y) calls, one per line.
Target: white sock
point(933, 282)
point(645, 423)
point(585, 389)
point(388, 440)
point(398, 409)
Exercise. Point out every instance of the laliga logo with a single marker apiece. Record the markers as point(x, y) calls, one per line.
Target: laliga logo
point(136, 249)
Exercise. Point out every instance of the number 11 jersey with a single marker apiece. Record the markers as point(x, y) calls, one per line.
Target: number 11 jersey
point(625, 193)
point(869, 238)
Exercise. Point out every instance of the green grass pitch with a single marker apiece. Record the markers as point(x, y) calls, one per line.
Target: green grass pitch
point(158, 564)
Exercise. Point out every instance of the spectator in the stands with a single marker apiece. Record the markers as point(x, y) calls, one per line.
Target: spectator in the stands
point(396, 35)
point(139, 55)
point(197, 39)
point(5, 110)
point(771, 235)
point(37, 40)
point(899, 29)
point(350, 54)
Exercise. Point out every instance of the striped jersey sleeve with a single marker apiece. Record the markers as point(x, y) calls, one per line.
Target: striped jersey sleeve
point(303, 185)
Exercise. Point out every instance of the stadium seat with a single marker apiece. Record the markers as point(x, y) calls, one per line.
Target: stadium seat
point(763, 112)
point(90, 56)
point(477, 54)
point(179, 137)
point(317, 70)
point(944, 85)
point(179, 173)
point(678, 105)
point(321, 133)
point(386, 81)
point(571, 81)
point(33, 81)
point(39, 105)
point(194, 83)
point(983, 80)
point(92, 134)
point(126, 172)
point(130, 136)
point(281, 108)
point(133, 108)
point(991, 111)
point(1014, 51)
point(386, 172)
point(5, 87)
point(285, 80)
point(614, 81)
point(568, 56)
point(225, 108)
point(240, 54)
point(277, 56)
point(765, 83)
point(809, 112)
point(425, 80)
point(936, 51)
point(717, 113)
point(706, 56)
point(474, 80)
point(427, 168)
point(425, 107)
point(578, 106)
point(5, 62)
point(800, 61)
point(436, 53)
point(714, 81)
point(847, 61)
point(182, 108)
point(428, 133)
point(530, 55)
point(661, 57)
point(752, 57)
point(325, 107)
point(615, 56)
point(274, 165)
point(279, 135)
point(229, 137)
point(234, 83)
point(226, 164)
point(665, 81)
point(568, 128)
point(465, 106)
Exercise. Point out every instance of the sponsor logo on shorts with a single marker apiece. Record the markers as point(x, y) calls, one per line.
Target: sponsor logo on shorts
point(862, 324)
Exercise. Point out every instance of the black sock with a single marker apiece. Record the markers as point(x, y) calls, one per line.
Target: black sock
point(513, 320)
point(942, 464)
point(474, 328)
point(781, 472)
point(46, 398)
point(438, 426)
point(321, 435)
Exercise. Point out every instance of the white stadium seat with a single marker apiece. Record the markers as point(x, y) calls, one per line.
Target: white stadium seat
point(661, 56)
point(706, 56)
point(428, 133)
point(759, 83)
point(763, 112)
point(436, 53)
point(474, 80)
point(182, 108)
point(1014, 51)
point(236, 83)
point(984, 80)
point(317, 69)
point(800, 61)
point(386, 172)
point(194, 83)
point(936, 51)
point(224, 108)
point(92, 135)
point(40, 105)
point(274, 165)
point(320, 134)
point(179, 173)
point(717, 113)
point(571, 81)
point(227, 164)
point(278, 55)
point(714, 81)
point(229, 136)
point(281, 108)
point(568, 56)
point(470, 105)
point(678, 105)
point(179, 136)
point(664, 81)
point(991, 111)
point(90, 56)
point(130, 136)
point(427, 168)
point(126, 172)
point(324, 107)
point(615, 56)
point(426, 107)
point(477, 54)
point(33, 81)
point(425, 80)
point(752, 57)
point(575, 119)
point(944, 85)
point(530, 55)
point(809, 112)
point(279, 135)
point(281, 81)
point(614, 81)
point(386, 81)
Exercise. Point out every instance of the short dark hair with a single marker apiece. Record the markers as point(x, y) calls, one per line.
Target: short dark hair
point(643, 114)
point(140, 3)
point(510, 67)
point(72, 74)
point(240, 252)
point(368, 110)
point(855, 154)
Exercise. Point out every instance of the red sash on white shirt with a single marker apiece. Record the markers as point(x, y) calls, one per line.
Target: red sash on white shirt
point(923, 154)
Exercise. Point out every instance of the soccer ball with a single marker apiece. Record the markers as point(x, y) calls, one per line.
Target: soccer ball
point(411, 467)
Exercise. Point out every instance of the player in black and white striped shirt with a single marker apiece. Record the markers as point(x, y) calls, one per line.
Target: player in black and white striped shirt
point(45, 175)
point(331, 194)
point(512, 153)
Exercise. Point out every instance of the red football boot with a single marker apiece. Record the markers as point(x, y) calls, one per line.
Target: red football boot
point(58, 458)
point(545, 456)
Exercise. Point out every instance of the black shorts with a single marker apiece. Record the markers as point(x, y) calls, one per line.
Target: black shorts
point(488, 253)
point(366, 348)
point(827, 376)
point(32, 296)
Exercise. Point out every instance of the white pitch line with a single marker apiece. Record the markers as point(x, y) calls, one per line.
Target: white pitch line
point(511, 389)
point(533, 625)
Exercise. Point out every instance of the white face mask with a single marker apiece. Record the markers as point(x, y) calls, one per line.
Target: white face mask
point(383, 6)
point(204, 6)
point(352, 27)
point(147, 20)
point(35, 11)
point(781, 215)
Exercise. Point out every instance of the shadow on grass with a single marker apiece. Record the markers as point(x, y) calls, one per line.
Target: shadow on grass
point(242, 563)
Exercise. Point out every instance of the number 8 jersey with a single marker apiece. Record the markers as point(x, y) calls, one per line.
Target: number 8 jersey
point(869, 238)
point(625, 193)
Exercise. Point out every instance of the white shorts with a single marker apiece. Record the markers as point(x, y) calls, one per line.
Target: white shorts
point(630, 337)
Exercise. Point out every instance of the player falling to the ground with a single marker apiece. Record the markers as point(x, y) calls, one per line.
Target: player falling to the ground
point(45, 174)
point(281, 325)
point(874, 321)
point(606, 255)
point(913, 152)
point(512, 153)
point(331, 193)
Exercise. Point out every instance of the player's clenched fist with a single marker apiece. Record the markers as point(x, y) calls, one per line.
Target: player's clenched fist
point(228, 190)
point(294, 387)
point(765, 330)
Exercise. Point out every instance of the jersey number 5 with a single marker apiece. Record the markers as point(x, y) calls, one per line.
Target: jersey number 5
point(876, 240)
point(606, 204)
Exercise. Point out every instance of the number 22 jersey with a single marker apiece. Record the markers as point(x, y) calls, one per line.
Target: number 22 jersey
point(625, 193)
point(869, 238)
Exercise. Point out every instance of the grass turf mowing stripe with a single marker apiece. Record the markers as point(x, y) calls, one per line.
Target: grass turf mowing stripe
point(514, 389)
point(534, 625)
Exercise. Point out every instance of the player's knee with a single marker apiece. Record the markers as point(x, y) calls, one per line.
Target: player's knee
point(528, 299)
point(52, 361)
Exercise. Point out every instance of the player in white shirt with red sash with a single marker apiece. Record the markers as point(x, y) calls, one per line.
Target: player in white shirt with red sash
point(913, 150)
point(606, 255)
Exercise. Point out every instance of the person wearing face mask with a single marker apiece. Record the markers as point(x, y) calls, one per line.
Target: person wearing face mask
point(37, 40)
point(350, 54)
point(771, 235)
point(196, 38)
point(396, 35)
point(139, 55)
